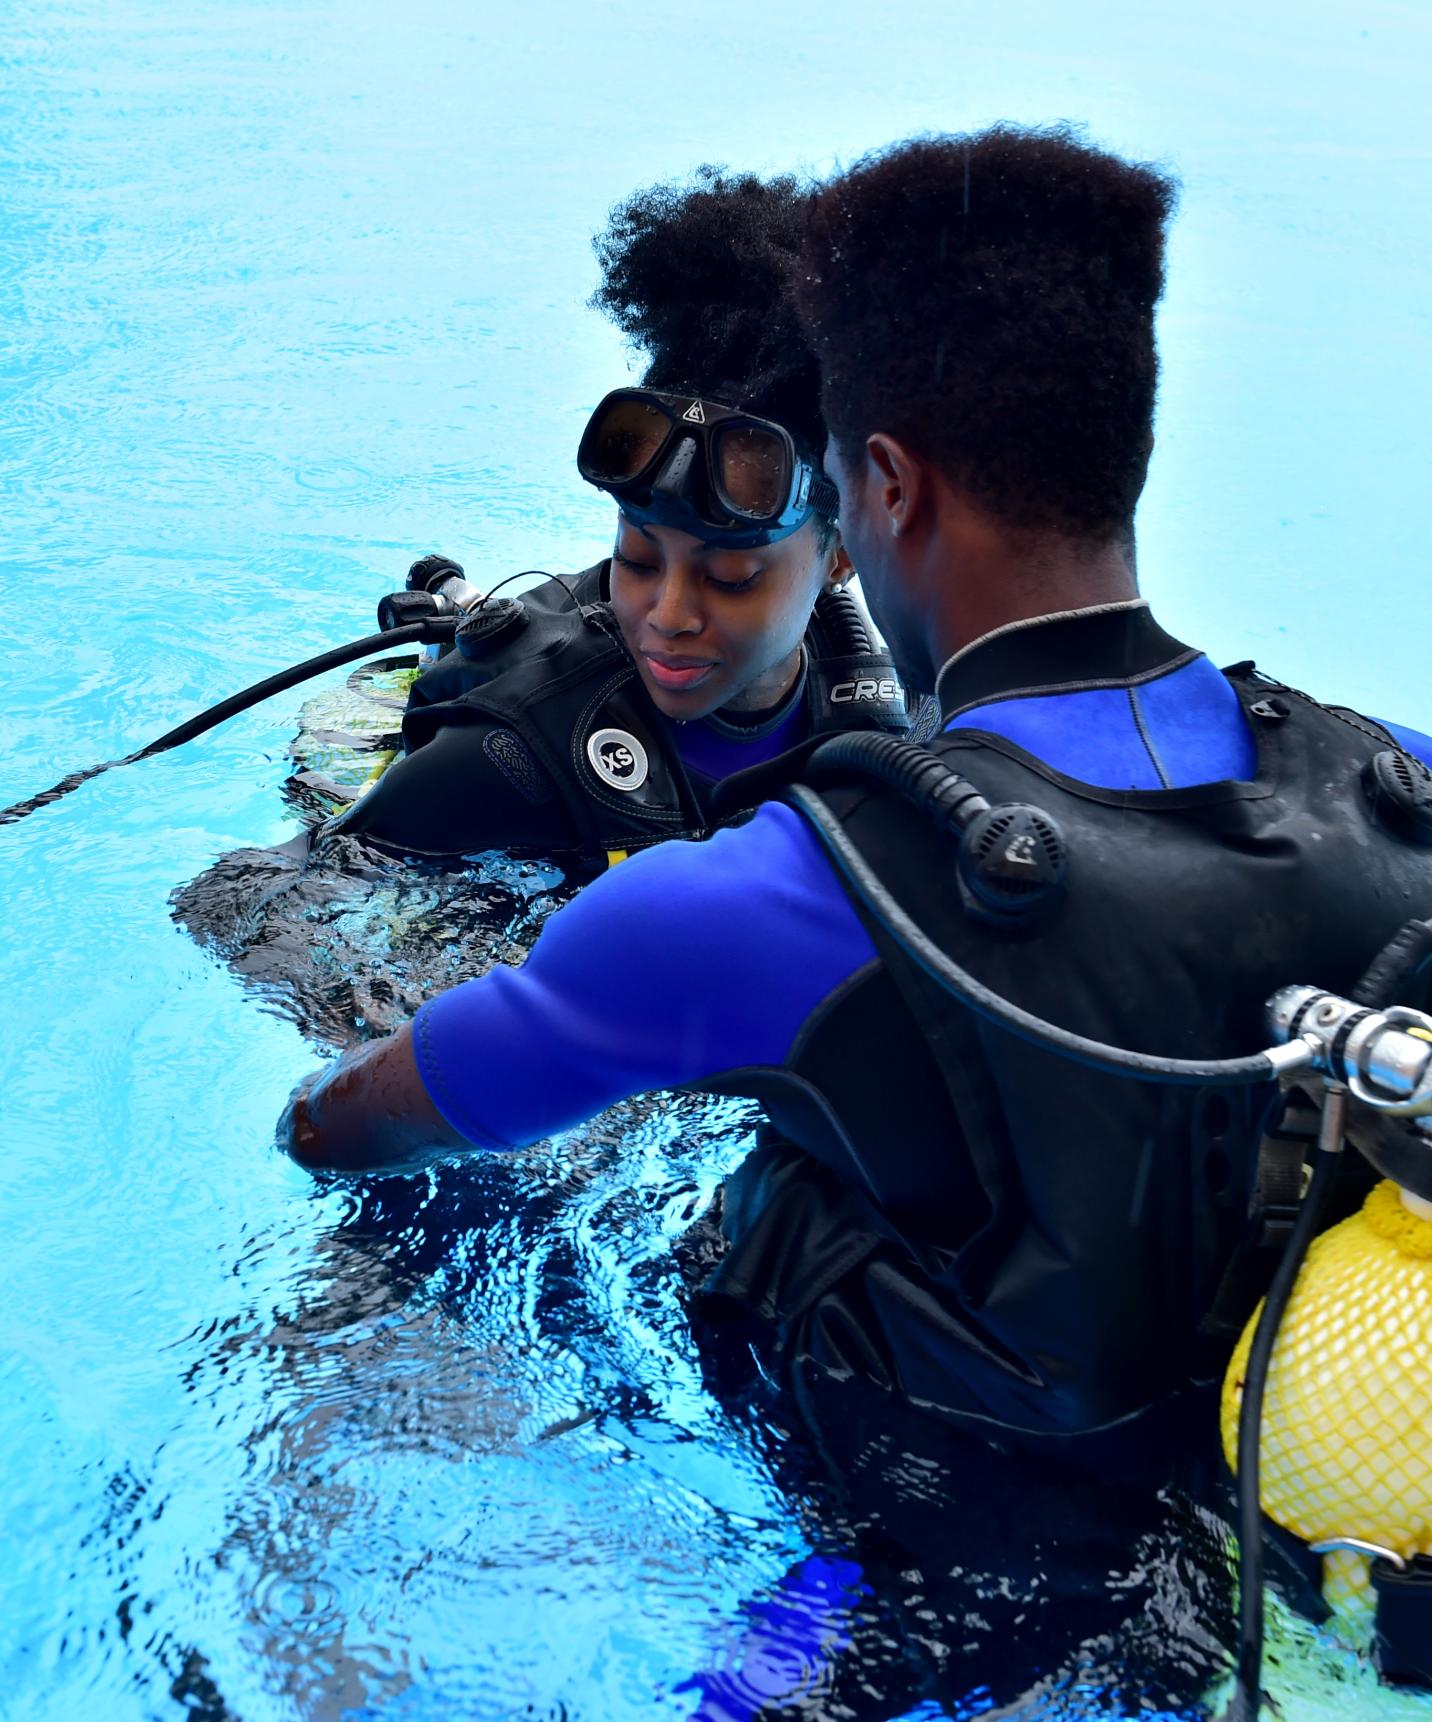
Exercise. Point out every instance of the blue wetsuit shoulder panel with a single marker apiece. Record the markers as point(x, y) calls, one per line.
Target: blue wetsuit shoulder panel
point(1092, 731)
point(1196, 723)
point(1417, 744)
point(1176, 730)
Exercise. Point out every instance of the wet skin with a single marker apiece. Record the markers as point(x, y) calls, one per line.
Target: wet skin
point(867, 525)
point(939, 571)
point(368, 1112)
point(710, 628)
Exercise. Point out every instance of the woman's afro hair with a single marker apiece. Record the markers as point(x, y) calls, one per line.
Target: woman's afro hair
point(989, 299)
point(695, 273)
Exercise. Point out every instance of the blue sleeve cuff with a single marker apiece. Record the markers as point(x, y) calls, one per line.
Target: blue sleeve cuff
point(442, 1091)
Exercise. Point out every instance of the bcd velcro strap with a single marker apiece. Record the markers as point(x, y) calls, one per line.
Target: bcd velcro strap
point(1278, 1189)
point(1404, 1621)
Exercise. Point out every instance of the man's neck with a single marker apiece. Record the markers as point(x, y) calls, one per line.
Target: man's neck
point(1006, 577)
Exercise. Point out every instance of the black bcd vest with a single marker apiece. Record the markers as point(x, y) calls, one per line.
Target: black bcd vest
point(569, 705)
point(997, 1232)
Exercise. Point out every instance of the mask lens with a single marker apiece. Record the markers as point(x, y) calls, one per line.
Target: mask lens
point(622, 443)
point(754, 471)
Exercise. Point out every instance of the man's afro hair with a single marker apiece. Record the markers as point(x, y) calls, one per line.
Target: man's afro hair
point(989, 299)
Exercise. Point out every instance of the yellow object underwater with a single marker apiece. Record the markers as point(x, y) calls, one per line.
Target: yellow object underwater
point(1346, 1445)
point(349, 734)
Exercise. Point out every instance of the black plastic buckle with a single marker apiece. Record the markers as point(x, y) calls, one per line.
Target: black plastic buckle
point(1275, 1222)
point(1403, 1648)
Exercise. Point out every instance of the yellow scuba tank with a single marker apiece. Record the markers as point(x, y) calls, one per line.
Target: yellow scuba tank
point(1346, 1445)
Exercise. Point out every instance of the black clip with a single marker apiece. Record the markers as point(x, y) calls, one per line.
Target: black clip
point(1403, 1648)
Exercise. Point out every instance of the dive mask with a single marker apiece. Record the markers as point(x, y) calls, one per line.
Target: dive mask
point(721, 474)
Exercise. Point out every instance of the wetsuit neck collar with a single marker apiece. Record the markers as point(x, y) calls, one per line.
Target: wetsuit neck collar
point(1098, 646)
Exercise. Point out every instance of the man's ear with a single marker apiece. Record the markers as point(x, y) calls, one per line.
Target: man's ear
point(902, 481)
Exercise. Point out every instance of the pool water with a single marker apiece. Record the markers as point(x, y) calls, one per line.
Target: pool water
point(290, 293)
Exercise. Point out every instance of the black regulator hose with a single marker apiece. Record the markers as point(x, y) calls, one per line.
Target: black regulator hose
point(914, 772)
point(1248, 1686)
point(431, 630)
point(947, 974)
point(844, 626)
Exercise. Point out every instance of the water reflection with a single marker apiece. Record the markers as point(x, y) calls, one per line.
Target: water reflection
point(347, 943)
point(480, 1416)
point(486, 1399)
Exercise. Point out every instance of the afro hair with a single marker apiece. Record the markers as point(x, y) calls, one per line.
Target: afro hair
point(696, 274)
point(989, 299)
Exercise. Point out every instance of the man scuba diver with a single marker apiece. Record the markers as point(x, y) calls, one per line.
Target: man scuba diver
point(1109, 832)
point(594, 716)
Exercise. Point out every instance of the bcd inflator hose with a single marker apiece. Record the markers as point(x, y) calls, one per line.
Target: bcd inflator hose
point(952, 802)
point(844, 623)
point(1247, 1695)
point(431, 630)
point(952, 978)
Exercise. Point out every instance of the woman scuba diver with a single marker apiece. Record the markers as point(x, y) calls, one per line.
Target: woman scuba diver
point(595, 715)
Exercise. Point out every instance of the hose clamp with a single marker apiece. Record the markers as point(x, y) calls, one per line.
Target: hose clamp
point(1357, 1546)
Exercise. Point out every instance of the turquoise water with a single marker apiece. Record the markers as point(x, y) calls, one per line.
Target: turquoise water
point(289, 293)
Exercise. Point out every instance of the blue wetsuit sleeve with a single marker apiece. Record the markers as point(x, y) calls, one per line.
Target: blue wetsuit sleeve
point(686, 961)
point(1415, 743)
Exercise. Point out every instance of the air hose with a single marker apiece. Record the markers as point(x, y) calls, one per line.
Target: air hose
point(945, 972)
point(844, 625)
point(1247, 1690)
point(431, 630)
